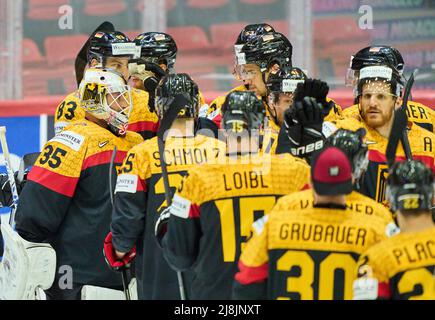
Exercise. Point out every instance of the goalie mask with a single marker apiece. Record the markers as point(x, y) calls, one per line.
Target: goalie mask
point(242, 110)
point(352, 144)
point(157, 47)
point(410, 186)
point(172, 85)
point(105, 95)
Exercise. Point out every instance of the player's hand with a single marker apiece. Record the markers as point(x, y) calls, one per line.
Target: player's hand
point(303, 123)
point(317, 89)
point(111, 257)
point(161, 225)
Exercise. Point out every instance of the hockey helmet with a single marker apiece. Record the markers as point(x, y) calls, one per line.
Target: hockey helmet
point(172, 85)
point(105, 94)
point(410, 186)
point(157, 47)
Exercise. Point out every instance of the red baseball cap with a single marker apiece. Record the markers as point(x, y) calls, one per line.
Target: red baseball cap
point(331, 172)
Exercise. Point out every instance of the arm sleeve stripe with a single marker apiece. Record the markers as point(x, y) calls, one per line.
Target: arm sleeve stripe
point(248, 275)
point(143, 126)
point(54, 181)
point(103, 158)
point(194, 211)
point(384, 290)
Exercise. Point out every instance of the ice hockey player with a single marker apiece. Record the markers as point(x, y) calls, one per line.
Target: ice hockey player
point(311, 253)
point(280, 88)
point(248, 33)
point(66, 200)
point(375, 55)
point(378, 93)
point(158, 53)
point(140, 193)
point(214, 207)
point(403, 267)
point(353, 145)
point(110, 50)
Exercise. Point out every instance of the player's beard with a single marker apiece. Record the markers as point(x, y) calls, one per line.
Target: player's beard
point(376, 117)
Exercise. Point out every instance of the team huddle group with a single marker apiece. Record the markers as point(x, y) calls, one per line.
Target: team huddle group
point(272, 191)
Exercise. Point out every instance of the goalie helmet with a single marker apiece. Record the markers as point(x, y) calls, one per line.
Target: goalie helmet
point(105, 95)
point(157, 47)
point(172, 85)
point(352, 144)
point(266, 50)
point(410, 186)
point(242, 110)
point(110, 44)
point(373, 55)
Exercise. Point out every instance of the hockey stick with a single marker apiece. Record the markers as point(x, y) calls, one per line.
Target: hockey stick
point(398, 129)
point(11, 177)
point(123, 270)
point(165, 125)
point(82, 59)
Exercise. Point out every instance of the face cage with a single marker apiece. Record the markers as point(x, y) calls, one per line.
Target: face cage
point(96, 102)
point(359, 89)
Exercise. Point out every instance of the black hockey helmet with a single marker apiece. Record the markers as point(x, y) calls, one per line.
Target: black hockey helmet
point(352, 144)
point(267, 50)
point(410, 186)
point(374, 55)
point(252, 31)
point(110, 44)
point(157, 47)
point(379, 73)
point(242, 110)
point(285, 80)
point(172, 85)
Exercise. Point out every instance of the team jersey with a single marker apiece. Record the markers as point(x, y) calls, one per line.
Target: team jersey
point(399, 268)
point(417, 113)
point(373, 184)
point(140, 197)
point(66, 199)
point(213, 210)
point(306, 254)
point(355, 202)
point(141, 119)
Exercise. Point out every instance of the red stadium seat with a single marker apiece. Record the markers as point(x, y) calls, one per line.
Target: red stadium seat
point(63, 49)
point(223, 36)
point(45, 9)
point(190, 38)
point(205, 4)
point(104, 7)
point(31, 53)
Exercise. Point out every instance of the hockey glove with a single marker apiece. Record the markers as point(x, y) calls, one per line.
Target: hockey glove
point(112, 260)
point(5, 188)
point(303, 123)
point(162, 226)
point(317, 89)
